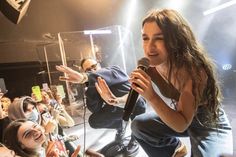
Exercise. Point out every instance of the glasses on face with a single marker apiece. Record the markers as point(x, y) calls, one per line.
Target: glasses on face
point(92, 67)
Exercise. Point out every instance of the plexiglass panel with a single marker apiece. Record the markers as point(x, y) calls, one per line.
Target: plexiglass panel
point(109, 46)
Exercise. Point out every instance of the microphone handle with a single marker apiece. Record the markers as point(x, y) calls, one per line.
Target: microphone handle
point(131, 101)
point(130, 104)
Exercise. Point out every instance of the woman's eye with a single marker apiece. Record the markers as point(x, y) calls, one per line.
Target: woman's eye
point(145, 38)
point(158, 38)
point(28, 135)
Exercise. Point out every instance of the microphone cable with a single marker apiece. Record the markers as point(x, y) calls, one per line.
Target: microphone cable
point(84, 115)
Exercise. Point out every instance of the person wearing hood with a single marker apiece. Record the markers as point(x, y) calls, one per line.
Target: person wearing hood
point(26, 108)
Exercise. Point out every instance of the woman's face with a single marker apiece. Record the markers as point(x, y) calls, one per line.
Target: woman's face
point(32, 113)
point(30, 108)
point(5, 152)
point(31, 135)
point(45, 97)
point(153, 44)
point(58, 98)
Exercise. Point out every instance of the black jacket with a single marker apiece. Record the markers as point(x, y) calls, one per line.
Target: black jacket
point(116, 79)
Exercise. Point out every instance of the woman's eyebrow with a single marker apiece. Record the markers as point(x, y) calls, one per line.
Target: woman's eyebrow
point(27, 131)
point(158, 34)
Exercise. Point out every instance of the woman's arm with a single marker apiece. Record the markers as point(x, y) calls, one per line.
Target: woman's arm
point(65, 119)
point(179, 119)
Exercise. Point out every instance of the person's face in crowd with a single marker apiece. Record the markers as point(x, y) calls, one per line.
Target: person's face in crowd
point(90, 65)
point(45, 97)
point(31, 113)
point(42, 107)
point(58, 98)
point(31, 135)
point(153, 44)
point(5, 152)
point(5, 103)
point(30, 108)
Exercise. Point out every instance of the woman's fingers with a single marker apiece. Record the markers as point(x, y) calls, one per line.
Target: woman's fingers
point(137, 85)
point(63, 78)
point(98, 88)
point(64, 69)
point(105, 86)
point(60, 68)
point(140, 81)
point(76, 152)
point(139, 77)
point(105, 91)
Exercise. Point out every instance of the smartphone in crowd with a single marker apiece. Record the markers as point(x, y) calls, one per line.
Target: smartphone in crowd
point(37, 93)
point(46, 116)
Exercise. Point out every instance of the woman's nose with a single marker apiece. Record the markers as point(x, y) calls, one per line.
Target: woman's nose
point(151, 44)
point(36, 132)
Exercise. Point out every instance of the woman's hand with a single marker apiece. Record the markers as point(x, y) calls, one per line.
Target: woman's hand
point(71, 75)
point(76, 152)
point(50, 126)
point(142, 84)
point(105, 92)
point(50, 150)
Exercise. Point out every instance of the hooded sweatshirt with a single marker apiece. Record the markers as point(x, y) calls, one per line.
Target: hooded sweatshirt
point(15, 110)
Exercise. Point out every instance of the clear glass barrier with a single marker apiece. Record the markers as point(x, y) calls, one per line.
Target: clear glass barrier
point(109, 46)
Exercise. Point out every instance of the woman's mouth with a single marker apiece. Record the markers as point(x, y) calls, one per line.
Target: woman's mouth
point(153, 55)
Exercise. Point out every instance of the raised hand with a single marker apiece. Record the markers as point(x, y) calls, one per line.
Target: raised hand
point(105, 92)
point(76, 152)
point(70, 74)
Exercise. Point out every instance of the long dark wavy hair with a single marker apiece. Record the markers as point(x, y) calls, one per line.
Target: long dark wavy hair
point(184, 52)
point(11, 140)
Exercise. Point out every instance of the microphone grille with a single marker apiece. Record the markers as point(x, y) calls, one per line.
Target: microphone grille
point(144, 62)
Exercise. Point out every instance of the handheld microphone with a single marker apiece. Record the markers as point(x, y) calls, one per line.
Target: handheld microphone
point(143, 64)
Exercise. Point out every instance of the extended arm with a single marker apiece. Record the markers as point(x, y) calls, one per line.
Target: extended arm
point(107, 95)
point(71, 75)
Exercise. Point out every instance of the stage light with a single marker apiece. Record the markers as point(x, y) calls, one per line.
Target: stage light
point(178, 5)
point(219, 7)
point(130, 12)
point(226, 66)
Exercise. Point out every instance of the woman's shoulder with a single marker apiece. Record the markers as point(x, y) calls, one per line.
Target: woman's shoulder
point(184, 75)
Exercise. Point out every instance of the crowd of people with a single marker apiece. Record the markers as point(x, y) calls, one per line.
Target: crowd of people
point(34, 128)
point(179, 67)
